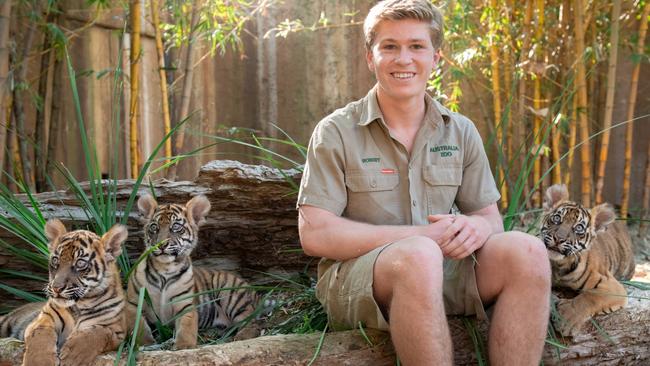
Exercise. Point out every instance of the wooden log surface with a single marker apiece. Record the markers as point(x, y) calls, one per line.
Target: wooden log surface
point(252, 228)
point(623, 340)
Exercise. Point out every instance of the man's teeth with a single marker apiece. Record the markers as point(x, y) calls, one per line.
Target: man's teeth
point(403, 75)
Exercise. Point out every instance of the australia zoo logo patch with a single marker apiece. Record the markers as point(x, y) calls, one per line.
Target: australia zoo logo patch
point(444, 150)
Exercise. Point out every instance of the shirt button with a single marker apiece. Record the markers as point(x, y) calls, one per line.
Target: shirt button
point(373, 183)
point(414, 203)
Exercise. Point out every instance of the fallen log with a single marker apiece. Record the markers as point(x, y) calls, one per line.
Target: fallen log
point(252, 228)
point(622, 340)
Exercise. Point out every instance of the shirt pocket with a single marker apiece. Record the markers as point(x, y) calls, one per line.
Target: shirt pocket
point(442, 183)
point(373, 197)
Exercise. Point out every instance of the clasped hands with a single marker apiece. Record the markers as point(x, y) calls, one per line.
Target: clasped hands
point(458, 235)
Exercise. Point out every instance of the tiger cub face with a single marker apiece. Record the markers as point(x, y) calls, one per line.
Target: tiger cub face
point(172, 228)
point(567, 227)
point(81, 263)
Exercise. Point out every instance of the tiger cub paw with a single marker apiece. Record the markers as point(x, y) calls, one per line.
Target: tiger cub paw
point(76, 356)
point(570, 319)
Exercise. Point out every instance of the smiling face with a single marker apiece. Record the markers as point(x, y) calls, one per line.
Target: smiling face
point(402, 58)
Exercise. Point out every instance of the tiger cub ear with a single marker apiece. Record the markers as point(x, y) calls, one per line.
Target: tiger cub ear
point(113, 240)
point(555, 194)
point(54, 228)
point(197, 208)
point(147, 205)
point(602, 215)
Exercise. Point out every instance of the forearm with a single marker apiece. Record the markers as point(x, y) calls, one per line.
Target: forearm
point(323, 234)
point(491, 218)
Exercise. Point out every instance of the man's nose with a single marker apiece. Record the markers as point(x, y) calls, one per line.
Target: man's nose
point(404, 56)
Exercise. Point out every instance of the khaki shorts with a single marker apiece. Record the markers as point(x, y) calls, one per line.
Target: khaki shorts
point(345, 290)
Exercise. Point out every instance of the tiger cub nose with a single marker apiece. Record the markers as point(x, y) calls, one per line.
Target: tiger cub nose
point(56, 289)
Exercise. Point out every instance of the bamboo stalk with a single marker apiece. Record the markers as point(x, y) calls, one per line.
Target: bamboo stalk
point(537, 101)
point(629, 128)
point(520, 128)
point(186, 95)
point(40, 136)
point(5, 21)
point(573, 131)
point(581, 85)
point(20, 77)
point(496, 101)
point(53, 135)
point(609, 102)
point(135, 76)
point(163, 77)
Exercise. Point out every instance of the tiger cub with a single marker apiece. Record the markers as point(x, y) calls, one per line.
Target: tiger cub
point(588, 254)
point(84, 314)
point(171, 280)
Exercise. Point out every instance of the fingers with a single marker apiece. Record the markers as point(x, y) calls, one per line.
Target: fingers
point(463, 242)
point(436, 218)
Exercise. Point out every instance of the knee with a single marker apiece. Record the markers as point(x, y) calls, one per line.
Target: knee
point(531, 258)
point(418, 257)
point(527, 258)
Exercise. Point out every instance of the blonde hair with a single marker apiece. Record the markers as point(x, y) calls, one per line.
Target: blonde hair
point(422, 10)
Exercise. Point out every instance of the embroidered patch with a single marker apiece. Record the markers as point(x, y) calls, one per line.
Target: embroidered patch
point(370, 160)
point(444, 150)
point(388, 171)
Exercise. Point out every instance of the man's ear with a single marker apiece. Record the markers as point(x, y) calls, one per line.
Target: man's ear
point(602, 215)
point(197, 208)
point(112, 241)
point(53, 230)
point(555, 194)
point(147, 206)
point(436, 57)
point(370, 60)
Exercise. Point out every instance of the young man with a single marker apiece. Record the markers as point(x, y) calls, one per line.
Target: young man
point(381, 178)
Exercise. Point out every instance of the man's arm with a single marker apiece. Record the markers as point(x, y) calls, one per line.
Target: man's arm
point(469, 232)
point(324, 234)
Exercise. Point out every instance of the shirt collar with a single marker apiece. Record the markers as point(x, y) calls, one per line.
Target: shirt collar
point(371, 111)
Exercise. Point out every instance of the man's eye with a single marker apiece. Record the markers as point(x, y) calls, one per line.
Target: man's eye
point(81, 264)
point(176, 227)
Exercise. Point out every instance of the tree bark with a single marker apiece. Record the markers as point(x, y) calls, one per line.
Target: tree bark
point(625, 342)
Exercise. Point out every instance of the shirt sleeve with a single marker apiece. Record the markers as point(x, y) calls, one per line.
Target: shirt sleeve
point(478, 189)
point(323, 180)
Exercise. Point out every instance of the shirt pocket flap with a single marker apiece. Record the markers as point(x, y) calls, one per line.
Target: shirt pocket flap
point(364, 181)
point(443, 175)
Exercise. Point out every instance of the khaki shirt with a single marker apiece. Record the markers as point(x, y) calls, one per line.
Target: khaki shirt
point(356, 169)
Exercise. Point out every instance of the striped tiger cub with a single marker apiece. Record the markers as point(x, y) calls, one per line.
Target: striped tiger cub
point(588, 253)
point(171, 280)
point(84, 314)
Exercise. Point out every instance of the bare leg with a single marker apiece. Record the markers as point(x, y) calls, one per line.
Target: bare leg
point(408, 286)
point(513, 270)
